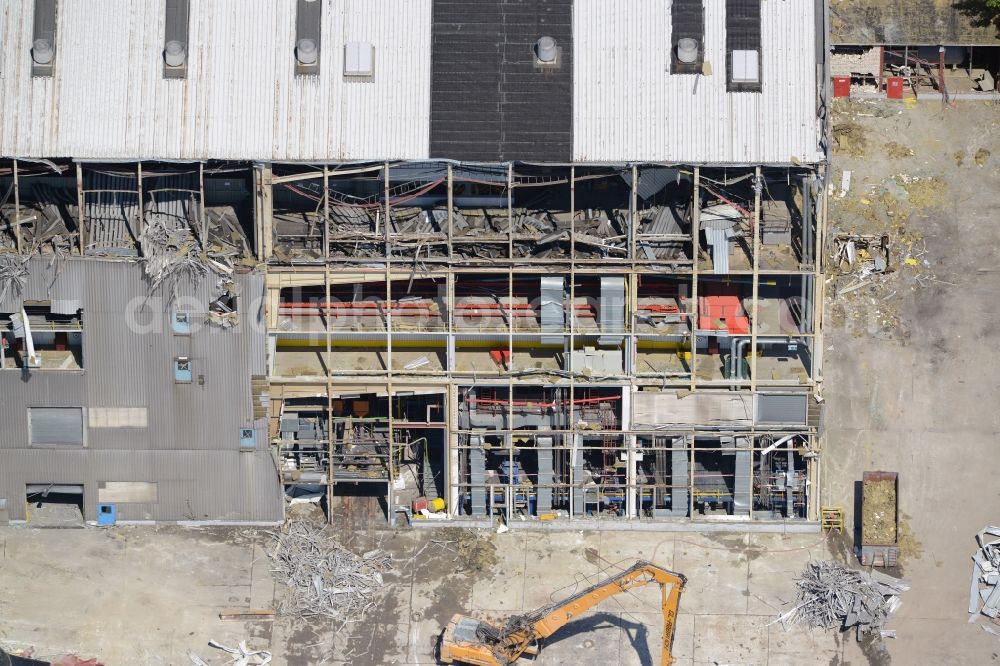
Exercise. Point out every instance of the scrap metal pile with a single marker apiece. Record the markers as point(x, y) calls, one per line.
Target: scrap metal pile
point(322, 578)
point(830, 596)
point(984, 596)
point(171, 253)
point(13, 275)
point(174, 251)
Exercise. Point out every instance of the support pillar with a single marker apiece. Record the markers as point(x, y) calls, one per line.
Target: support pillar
point(743, 477)
point(680, 478)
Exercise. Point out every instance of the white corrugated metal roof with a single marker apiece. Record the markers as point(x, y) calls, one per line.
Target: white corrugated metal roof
point(627, 106)
point(241, 99)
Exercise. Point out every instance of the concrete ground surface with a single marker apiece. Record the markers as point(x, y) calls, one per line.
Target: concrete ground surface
point(911, 376)
point(142, 595)
point(912, 366)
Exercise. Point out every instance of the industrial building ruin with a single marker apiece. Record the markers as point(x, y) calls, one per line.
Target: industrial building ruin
point(558, 261)
point(914, 48)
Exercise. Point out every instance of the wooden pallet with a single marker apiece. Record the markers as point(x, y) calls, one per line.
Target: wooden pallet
point(831, 518)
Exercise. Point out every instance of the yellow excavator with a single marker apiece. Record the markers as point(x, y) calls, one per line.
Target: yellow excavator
point(467, 640)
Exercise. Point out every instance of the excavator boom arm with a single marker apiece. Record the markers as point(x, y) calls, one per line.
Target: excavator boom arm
point(523, 630)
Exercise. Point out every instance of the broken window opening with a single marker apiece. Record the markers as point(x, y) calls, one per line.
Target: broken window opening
point(40, 339)
point(223, 310)
point(182, 370)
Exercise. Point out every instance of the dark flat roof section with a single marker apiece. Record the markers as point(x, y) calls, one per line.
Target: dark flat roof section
point(491, 100)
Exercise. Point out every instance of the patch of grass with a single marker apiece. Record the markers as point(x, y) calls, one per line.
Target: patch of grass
point(897, 151)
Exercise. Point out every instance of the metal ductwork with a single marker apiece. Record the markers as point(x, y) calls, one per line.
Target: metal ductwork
point(553, 292)
point(611, 312)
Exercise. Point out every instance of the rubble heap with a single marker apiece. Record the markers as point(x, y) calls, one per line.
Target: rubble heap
point(984, 596)
point(322, 578)
point(830, 596)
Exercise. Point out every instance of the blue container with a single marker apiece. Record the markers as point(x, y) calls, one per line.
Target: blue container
point(107, 514)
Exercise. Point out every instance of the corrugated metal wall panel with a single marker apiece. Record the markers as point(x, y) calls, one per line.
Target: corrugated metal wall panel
point(627, 105)
point(241, 98)
point(56, 425)
point(191, 485)
point(191, 444)
point(775, 409)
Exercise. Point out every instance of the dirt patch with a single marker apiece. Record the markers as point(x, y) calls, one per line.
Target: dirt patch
point(981, 156)
point(738, 544)
point(895, 150)
point(850, 138)
point(924, 192)
point(840, 545)
point(909, 547)
point(475, 551)
point(959, 157)
point(875, 651)
point(878, 512)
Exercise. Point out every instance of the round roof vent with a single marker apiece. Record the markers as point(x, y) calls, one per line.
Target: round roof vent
point(41, 51)
point(687, 50)
point(306, 52)
point(174, 53)
point(546, 50)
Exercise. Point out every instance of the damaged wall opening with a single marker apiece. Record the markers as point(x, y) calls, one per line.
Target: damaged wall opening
point(54, 504)
point(564, 311)
point(43, 336)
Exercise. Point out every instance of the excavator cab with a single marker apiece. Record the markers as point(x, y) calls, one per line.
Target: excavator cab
point(462, 642)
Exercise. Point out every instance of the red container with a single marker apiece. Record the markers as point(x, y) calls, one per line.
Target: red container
point(894, 87)
point(841, 86)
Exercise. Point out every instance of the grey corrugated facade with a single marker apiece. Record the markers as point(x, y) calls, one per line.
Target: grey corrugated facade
point(191, 445)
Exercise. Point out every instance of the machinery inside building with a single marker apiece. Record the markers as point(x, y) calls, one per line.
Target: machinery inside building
point(363, 244)
point(526, 378)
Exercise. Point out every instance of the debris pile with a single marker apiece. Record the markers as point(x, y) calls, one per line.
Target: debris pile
point(322, 577)
point(476, 552)
point(171, 253)
point(850, 138)
point(984, 596)
point(241, 655)
point(830, 595)
point(222, 310)
point(13, 275)
point(878, 523)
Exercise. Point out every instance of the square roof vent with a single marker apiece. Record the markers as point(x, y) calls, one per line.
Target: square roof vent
point(745, 67)
point(359, 60)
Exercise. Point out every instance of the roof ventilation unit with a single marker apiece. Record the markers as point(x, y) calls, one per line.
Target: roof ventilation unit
point(41, 52)
point(359, 60)
point(43, 41)
point(174, 54)
point(687, 50)
point(308, 19)
point(175, 39)
point(547, 52)
point(306, 52)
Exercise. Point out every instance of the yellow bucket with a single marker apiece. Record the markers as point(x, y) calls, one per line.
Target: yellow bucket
point(436, 504)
